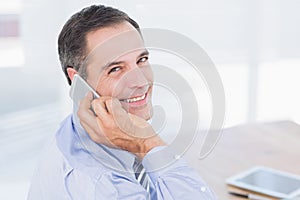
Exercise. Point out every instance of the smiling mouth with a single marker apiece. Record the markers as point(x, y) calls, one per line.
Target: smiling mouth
point(135, 99)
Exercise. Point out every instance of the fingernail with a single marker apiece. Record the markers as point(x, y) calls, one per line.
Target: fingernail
point(89, 95)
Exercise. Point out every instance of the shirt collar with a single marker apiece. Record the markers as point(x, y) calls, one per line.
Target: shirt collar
point(114, 157)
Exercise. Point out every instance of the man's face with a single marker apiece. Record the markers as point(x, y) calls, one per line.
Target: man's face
point(118, 66)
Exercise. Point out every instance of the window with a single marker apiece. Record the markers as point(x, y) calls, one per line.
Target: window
point(11, 51)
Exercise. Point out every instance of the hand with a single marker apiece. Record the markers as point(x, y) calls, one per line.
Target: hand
point(114, 127)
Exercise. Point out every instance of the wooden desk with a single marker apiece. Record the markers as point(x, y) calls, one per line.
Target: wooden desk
point(275, 145)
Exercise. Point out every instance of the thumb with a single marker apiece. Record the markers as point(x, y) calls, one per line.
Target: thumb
point(138, 121)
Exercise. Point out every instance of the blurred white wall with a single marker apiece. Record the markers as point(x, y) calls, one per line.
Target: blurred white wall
point(254, 43)
point(241, 37)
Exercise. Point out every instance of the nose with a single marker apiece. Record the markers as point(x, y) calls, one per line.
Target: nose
point(137, 77)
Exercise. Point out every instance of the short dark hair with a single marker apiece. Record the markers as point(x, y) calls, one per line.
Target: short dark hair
point(72, 38)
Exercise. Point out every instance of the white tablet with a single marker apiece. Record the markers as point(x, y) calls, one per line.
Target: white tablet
point(268, 181)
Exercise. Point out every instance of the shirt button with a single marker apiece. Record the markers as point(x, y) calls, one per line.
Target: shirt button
point(203, 189)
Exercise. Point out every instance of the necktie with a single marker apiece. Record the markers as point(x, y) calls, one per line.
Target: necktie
point(141, 175)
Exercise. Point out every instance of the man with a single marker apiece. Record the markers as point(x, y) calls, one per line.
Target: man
point(103, 150)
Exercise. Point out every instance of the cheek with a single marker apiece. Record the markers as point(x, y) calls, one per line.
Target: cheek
point(105, 87)
point(110, 87)
point(147, 71)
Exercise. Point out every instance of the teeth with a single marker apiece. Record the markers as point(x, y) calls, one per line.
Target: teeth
point(136, 99)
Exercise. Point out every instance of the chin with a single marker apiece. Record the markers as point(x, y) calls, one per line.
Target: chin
point(145, 113)
point(146, 116)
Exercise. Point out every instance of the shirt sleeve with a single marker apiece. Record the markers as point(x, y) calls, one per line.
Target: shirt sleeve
point(176, 180)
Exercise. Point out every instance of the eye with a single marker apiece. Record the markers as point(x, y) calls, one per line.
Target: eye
point(114, 69)
point(143, 59)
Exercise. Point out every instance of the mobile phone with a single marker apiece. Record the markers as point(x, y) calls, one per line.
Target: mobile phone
point(80, 88)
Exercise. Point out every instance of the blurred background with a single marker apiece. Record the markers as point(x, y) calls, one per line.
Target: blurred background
point(254, 44)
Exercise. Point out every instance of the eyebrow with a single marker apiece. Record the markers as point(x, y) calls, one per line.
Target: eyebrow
point(144, 53)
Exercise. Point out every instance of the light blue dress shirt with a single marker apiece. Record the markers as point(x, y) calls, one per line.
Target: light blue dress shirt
point(74, 167)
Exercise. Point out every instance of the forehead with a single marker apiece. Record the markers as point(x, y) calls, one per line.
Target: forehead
point(101, 35)
point(108, 43)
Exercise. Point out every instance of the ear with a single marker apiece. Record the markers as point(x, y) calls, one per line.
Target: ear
point(71, 72)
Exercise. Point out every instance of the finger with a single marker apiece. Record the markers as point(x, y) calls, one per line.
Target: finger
point(138, 121)
point(86, 116)
point(85, 104)
point(119, 115)
point(86, 101)
point(100, 108)
point(93, 126)
point(115, 108)
point(98, 135)
point(89, 98)
point(84, 112)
